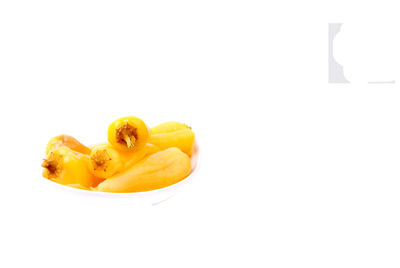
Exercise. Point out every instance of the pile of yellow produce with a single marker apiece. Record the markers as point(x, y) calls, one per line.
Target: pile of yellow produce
point(134, 159)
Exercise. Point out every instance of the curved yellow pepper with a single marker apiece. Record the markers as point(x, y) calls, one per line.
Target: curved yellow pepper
point(66, 140)
point(68, 167)
point(182, 139)
point(158, 170)
point(167, 127)
point(128, 134)
point(106, 161)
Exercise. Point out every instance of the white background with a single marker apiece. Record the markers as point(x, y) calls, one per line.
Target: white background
point(295, 172)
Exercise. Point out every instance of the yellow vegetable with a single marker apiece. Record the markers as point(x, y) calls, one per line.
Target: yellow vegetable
point(68, 167)
point(166, 127)
point(182, 139)
point(106, 161)
point(66, 140)
point(128, 134)
point(158, 170)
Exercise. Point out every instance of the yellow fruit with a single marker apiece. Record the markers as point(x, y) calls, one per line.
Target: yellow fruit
point(105, 160)
point(66, 140)
point(68, 167)
point(128, 134)
point(182, 139)
point(156, 171)
point(166, 127)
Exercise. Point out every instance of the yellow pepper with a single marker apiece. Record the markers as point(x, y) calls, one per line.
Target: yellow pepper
point(106, 161)
point(66, 140)
point(68, 167)
point(164, 136)
point(167, 127)
point(158, 170)
point(128, 134)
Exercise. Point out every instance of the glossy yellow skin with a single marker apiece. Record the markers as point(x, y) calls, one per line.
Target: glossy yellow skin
point(167, 127)
point(156, 171)
point(120, 137)
point(68, 167)
point(105, 160)
point(151, 149)
point(182, 139)
point(66, 140)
